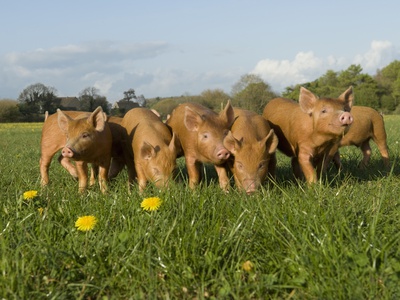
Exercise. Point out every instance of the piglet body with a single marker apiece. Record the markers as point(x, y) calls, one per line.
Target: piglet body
point(151, 148)
point(368, 124)
point(251, 142)
point(308, 130)
point(89, 140)
point(201, 132)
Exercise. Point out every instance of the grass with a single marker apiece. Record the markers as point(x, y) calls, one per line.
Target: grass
point(335, 240)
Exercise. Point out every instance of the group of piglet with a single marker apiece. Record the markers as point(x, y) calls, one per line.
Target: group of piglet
point(236, 141)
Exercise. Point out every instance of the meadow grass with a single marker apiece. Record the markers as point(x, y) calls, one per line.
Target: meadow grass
point(338, 239)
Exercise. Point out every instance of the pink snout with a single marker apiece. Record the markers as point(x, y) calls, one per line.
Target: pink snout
point(346, 118)
point(223, 154)
point(67, 152)
point(250, 186)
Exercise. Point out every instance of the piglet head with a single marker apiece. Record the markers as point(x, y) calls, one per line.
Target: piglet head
point(331, 116)
point(81, 133)
point(250, 161)
point(211, 129)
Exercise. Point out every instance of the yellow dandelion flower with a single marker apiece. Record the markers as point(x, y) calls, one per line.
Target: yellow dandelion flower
point(247, 266)
point(29, 195)
point(150, 204)
point(85, 223)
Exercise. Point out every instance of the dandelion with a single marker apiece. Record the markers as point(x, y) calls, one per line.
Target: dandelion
point(150, 204)
point(247, 266)
point(29, 195)
point(85, 223)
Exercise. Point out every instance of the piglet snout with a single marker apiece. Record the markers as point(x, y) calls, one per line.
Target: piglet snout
point(346, 118)
point(67, 152)
point(223, 154)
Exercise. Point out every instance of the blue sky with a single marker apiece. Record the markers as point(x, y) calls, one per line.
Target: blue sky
point(171, 48)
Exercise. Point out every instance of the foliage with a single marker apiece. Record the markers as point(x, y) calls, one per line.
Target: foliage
point(214, 99)
point(9, 111)
point(252, 93)
point(338, 239)
point(35, 99)
point(333, 84)
point(90, 99)
point(381, 91)
point(129, 95)
point(388, 80)
point(165, 106)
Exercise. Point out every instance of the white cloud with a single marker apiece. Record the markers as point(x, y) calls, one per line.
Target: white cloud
point(86, 54)
point(304, 67)
point(154, 69)
point(307, 67)
point(379, 55)
point(72, 68)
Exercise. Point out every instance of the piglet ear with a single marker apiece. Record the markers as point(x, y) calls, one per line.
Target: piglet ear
point(192, 119)
point(232, 144)
point(147, 151)
point(348, 96)
point(98, 119)
point(228, 114)
point(174, 143)
point(307, 100)
point(270, 141)
point(63, 121)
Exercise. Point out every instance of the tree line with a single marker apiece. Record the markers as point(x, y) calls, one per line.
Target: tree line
point(381, 92)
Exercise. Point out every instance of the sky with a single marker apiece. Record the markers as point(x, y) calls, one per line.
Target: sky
point(166, 48)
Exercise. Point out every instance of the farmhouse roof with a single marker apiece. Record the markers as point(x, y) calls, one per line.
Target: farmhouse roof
point(68, 103)
point(125, 104)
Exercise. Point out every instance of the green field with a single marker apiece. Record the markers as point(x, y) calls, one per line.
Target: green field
point(338, 239)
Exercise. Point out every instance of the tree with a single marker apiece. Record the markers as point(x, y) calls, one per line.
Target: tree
point(366, 89)
point(350, 77)
point(332, 84)
point(36, 99)
point(129, 95)
point(252, 93)
point(388, 80)
point(214, 99)
point(243, 82)
point(90, 99)
point(330, 78)
point(165, 106)
point(9, 111)
point(388, 75)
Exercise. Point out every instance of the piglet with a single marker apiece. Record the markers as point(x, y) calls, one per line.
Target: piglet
point(368, 124)
point(89, 140)
point(54, 139)
point(150, 148)
point(201, 132)
point(308, 130)
point(251, 142)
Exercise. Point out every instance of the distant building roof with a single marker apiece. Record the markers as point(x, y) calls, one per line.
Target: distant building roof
point(68, 103)
point(125, 105)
